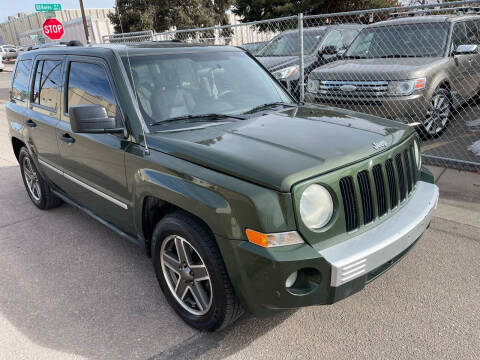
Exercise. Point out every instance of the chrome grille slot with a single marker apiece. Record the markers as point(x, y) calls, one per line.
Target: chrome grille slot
point(401, 177)
point(380, 190)
point(349, 205)
point(366, 195)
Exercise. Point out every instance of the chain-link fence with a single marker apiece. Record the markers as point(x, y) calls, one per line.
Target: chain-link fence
point(418, 65)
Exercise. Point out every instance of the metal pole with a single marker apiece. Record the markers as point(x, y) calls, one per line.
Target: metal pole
point(301, 70)
point(85, 27)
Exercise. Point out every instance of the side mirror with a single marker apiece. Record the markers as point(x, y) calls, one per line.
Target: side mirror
point(92, 119)
point(341, 53)
point(328, 50)
point(466, 49)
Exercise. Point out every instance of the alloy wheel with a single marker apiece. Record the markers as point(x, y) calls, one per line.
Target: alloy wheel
point(438, 114)
point(31, 178)
point(186, 275)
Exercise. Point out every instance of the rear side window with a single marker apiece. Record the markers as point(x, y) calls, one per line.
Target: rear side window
point(48, 77)
point(21, 80)
point(88, 84)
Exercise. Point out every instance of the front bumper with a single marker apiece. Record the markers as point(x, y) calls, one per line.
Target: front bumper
point(369, 250)
point(329, 275)
point(412, 108)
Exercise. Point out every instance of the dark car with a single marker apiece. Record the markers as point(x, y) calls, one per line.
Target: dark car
point(321, 45)
point(253, 47)
point(413, 69)
point(243, 198)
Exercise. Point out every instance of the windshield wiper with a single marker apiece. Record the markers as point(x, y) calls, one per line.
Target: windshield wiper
point(212, 116)
point(267, 106)
point(394, 56)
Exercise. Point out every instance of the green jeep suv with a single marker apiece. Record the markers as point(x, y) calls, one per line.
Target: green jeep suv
point(243, 198)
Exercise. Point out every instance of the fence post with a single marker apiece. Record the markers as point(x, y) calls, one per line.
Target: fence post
point(301, 81)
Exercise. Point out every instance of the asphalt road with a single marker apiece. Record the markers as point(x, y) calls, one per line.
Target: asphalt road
point(72, 289)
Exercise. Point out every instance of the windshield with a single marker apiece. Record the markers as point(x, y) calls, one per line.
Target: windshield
point(407, 40)
point(287, 44)
point(175, 85)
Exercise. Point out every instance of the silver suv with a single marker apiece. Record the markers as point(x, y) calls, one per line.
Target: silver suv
point(412, 69)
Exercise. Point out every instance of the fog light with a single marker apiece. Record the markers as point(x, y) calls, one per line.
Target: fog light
point(291, 279)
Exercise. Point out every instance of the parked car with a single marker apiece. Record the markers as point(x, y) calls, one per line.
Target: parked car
point(321, 45)
point(253, 47)
point(8, 52)
point(243, 198)
point(414, 69)
point(2, 65)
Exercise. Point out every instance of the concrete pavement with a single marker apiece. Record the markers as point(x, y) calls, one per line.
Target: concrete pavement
point(72, 289)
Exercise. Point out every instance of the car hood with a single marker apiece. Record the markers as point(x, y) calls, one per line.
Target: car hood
point(281, 148)
point(377, 69)
point(273, 63)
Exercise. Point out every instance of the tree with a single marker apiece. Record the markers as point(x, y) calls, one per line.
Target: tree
point(253, 10)
point(161, 15)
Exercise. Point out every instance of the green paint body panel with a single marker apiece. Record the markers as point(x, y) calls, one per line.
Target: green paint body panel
point(243, 174)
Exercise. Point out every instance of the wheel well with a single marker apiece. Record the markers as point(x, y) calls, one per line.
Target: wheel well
point(153, 211)
point(17, 145)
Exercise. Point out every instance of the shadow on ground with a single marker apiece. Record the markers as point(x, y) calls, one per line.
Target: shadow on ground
point(70, 284)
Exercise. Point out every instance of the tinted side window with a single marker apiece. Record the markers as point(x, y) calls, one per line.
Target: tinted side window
point(21, 80)
point(334, 39)
point(459, 34)
point(88, 84)
point(48, 76)
point(473, 32)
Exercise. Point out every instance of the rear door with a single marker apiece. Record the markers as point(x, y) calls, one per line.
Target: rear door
point(44, 111)
point(94, 164)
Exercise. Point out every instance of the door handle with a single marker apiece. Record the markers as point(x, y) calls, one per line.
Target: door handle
point(30, 123)
point(66, 138)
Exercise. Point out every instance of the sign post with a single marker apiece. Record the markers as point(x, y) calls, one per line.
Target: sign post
point(53, 29)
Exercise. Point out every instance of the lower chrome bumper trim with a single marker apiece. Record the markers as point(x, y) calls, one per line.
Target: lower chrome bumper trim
point(371, 249)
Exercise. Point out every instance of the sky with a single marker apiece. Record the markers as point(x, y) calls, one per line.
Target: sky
point(9, 7)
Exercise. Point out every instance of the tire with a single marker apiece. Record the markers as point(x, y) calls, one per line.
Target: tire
point(438, 114)
point(220, 306)
point(38, 190)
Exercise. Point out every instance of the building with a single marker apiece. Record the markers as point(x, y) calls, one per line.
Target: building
point(26, 29)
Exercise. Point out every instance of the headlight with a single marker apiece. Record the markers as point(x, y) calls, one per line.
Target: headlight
point(287, 73)
point(405, 87)
point(316, 206)
point(312, 85)
point(418, 156)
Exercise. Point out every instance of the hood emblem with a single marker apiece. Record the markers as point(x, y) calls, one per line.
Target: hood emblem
point(380, 145)
point(348, 87)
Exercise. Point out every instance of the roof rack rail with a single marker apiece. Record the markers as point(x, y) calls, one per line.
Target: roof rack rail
point(458, 10)
point(72, 43)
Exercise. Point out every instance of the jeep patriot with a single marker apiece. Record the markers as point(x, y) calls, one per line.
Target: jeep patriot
point(244, 198)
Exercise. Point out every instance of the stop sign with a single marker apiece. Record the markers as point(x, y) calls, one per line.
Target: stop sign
point(53, 29)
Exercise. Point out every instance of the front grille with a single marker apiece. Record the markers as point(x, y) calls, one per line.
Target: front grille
point(353, 89)
point(373, 193)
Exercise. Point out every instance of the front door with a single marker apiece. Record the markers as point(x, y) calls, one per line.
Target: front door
point(94, 164)
point(463, 69)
